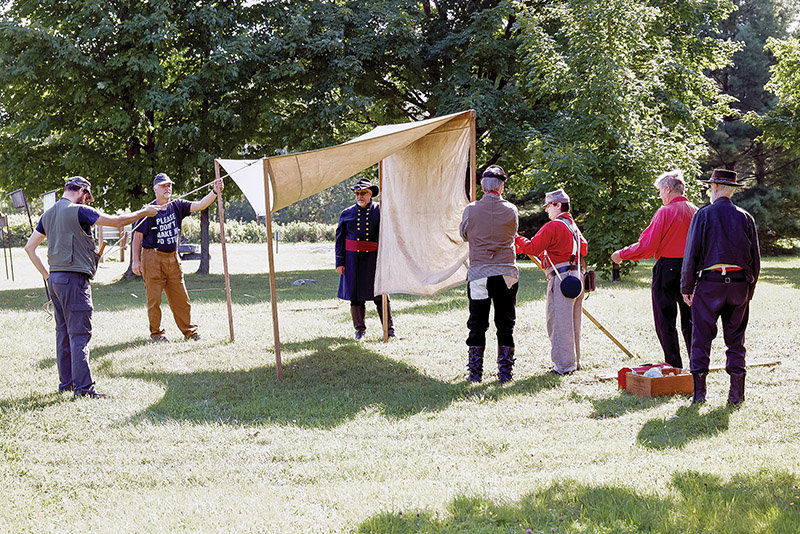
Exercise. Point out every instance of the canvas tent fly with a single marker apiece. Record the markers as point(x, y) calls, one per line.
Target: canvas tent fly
point(424, 166)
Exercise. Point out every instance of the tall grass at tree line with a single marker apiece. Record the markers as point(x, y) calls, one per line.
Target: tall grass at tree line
point(372, 437)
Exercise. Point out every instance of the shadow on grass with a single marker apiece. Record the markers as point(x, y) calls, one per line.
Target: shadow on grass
point(334, 382)
point(621, 404)
point(758, 502)
point(34, 402)
point(781, 275)
point(687, 425)
point(95, 353)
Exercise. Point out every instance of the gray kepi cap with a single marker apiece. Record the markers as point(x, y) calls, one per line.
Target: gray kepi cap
point(556, 196)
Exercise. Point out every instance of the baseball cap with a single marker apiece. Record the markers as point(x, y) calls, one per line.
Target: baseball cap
point(162, 178)
point(81, 183)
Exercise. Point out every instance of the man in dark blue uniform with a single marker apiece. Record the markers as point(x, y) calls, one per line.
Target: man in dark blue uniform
point(357, 256)
point(720, 269)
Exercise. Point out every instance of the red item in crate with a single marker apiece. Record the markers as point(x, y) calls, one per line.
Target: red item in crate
point(640, 370)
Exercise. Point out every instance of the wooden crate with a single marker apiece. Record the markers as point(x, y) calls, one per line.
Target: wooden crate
point(672, 383)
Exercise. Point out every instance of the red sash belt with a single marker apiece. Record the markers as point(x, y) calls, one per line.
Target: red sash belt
point(352, 245)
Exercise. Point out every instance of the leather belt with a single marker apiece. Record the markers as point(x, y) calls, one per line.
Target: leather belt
point(562, 269)
point(717, 276)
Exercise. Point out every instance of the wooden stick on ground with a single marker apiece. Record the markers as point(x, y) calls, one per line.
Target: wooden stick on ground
point(587, 314)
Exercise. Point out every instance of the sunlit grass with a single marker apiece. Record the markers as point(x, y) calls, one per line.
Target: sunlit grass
point(373, 437)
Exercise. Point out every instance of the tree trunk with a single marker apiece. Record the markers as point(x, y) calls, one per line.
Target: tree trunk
point(129, 273)
point(205, 254)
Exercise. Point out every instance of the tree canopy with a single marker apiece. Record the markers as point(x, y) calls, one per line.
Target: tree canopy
point(118, 91)
point(621, 95)
point(769, 171)
point(596, 97)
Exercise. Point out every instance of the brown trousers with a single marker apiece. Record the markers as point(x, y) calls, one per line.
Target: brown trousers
point(162, 273)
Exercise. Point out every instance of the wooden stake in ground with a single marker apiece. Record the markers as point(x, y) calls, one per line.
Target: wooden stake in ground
point(272, 291)
point(221, 210)
point(384, 296)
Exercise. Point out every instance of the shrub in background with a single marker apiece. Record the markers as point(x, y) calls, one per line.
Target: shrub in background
point(256, 232)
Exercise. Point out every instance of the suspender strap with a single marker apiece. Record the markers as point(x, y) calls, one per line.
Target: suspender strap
point(576, 239)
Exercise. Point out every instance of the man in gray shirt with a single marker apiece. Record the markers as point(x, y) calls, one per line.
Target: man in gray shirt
point(489, 225)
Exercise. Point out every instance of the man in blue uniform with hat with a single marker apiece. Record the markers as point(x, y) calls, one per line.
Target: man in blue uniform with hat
point(720, 269)
point(357, 256)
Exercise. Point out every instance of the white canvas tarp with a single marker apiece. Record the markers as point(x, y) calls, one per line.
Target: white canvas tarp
point(423, 197)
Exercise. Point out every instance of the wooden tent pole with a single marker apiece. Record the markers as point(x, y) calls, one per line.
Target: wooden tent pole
point(384, 297)
point(221, 211)
point(473, 157)
point(272, 290)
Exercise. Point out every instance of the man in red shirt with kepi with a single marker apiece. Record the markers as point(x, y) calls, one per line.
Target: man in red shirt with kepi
point(560, 246)
point(665, 240)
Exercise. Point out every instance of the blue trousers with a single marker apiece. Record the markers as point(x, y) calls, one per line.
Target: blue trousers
point(715, 299)
point(72, 304)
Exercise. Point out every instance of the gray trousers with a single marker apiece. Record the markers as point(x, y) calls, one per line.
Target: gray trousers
point(563, 325)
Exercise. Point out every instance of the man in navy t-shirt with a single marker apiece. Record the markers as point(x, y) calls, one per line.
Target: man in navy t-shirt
point(155, 257)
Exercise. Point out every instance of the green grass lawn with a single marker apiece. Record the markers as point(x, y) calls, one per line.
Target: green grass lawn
point(374, 437)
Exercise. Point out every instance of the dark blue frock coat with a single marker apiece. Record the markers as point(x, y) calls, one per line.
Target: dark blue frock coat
point(357, 284)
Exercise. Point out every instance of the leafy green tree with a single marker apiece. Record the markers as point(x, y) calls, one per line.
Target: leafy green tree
point(782, 123)
point(350, 65)
point(772, 192)
point(118, 91)
point(621, 96)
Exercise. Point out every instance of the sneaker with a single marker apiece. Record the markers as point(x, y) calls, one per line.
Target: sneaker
point(92, 394)
point(195, 337)
point(159, 339)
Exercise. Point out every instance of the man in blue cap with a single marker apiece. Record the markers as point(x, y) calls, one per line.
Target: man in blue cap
point(155, 257)
point(73, 258)
point(357, 256)
point(721, 264)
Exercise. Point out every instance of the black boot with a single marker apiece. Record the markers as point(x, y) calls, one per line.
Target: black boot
point(505, 363)
point(475, 363)
point(736, 393)
point(699, 380)
point(379, 305)
point(358, 312)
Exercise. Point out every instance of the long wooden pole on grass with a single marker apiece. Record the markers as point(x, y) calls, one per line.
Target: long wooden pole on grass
point(272, 291)
point(221, 210)
point(587, 314)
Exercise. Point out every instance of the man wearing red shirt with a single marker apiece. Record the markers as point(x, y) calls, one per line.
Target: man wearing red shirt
point(665, 240)
point(560, 245)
